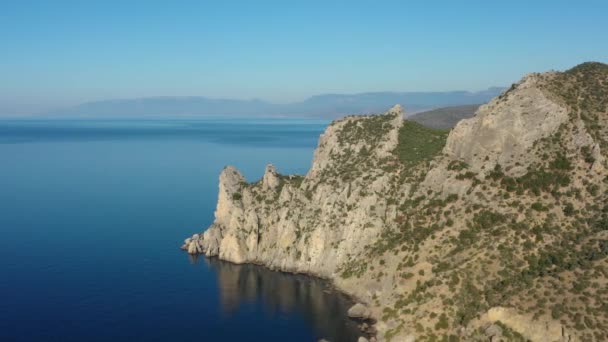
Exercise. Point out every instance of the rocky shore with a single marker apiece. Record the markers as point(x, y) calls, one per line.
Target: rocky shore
point(468, 236)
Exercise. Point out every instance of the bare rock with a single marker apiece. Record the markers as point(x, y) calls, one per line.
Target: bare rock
point(271, 179)
point(231, 182)
point(506, 128)
point(359, 311)
point(544, 330)
point(493, 330)
point(192, 248)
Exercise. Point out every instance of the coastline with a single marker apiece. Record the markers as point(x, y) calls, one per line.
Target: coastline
point(364, 325)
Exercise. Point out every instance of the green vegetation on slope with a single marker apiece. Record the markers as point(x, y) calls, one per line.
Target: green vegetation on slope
point(535, 240)
point(585, 89)
point(371, 130)
point(418, 143)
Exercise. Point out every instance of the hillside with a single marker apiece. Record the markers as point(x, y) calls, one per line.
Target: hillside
point(444, 118)
point(495, 230)
point(323, 106)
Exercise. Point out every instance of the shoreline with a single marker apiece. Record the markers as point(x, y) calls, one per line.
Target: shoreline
point(366, 325)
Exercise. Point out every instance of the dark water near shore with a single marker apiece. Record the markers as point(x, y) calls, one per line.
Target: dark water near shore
point(91, 217)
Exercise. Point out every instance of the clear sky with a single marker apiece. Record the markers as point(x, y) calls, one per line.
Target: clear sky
point(57, 53)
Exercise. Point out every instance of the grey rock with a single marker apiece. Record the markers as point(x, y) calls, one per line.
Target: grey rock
point(493, 330)
point(359, 311)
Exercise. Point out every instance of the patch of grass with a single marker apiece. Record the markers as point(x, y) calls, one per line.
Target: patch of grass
point(442, 323)
point(536, 180)
point(369, 129)
point(488, 219)
point(353, 268)
point(418, 143)
point(457, 165)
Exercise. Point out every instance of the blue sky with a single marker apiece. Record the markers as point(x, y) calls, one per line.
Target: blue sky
point(60, 53)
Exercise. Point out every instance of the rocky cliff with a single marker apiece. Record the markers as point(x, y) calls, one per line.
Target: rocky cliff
point(497, 230)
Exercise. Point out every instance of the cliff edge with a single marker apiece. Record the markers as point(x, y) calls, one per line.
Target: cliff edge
point(497, 229)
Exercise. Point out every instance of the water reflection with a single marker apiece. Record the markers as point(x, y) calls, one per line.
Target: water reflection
point(312, 299)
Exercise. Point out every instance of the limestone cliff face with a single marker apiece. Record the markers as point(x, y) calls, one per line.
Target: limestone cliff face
point(310, 224)
point(504, 130)
point(441, 236)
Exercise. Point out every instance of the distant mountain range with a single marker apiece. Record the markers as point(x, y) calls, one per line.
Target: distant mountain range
point(322, 106)
point(445, 118)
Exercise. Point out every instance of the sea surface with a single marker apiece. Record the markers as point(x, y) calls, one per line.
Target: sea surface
point(91, 217)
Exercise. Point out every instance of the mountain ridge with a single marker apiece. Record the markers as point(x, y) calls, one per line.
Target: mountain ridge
point(495, 230)
point(445, 117)
point(324, 105)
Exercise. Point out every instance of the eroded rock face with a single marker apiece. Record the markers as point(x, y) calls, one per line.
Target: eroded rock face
point(531, 329)
point(359, 311)
point(404, 234)
point(271, 179)
point(292, 223)
point(231, 183)
point(504, 130)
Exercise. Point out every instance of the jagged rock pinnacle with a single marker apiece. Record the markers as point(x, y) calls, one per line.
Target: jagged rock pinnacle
point(397, 109)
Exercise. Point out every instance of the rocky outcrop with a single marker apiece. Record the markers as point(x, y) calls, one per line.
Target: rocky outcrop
point(461, 236)
point(293, 223)
point(533, 330)
point(504, 130)
point(359, 311)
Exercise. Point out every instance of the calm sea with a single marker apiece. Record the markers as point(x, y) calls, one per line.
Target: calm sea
point(91, 217)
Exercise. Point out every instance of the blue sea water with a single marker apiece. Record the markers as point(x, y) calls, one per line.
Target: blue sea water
point(91, 217)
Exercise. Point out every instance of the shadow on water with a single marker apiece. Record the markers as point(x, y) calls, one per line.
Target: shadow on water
point(321, 306)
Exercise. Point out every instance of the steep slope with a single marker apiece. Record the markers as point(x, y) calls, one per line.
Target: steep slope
point(444, 118)
point(498, 229)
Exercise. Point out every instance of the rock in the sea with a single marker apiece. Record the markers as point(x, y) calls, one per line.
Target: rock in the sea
point(359, 311)
point(192, 248)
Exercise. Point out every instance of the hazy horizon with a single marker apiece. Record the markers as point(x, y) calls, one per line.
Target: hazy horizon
point(60, 54)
